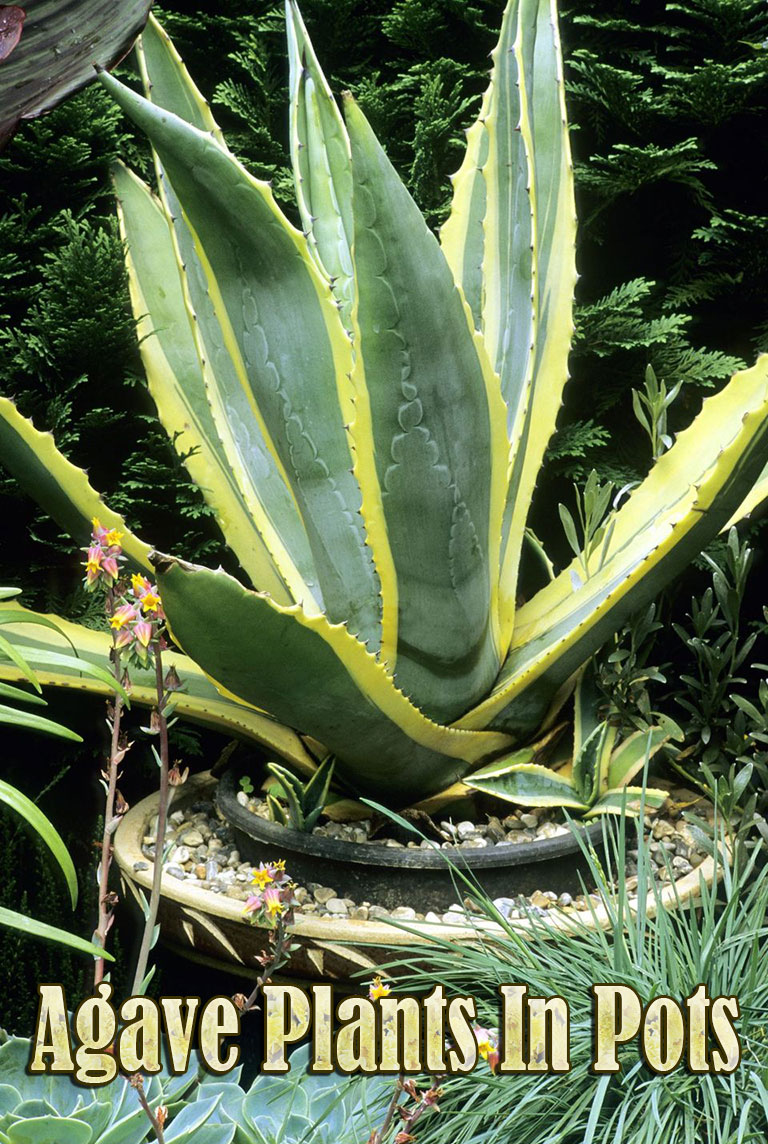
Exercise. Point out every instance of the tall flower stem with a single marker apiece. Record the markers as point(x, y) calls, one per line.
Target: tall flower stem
point(162, 818)
point(379, 1134)
point(272, 961)
point(156, 1119)
point(115, 757)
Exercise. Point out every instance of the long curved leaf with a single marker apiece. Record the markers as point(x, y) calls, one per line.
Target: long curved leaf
point(67, 659)
point(304, 670)
point(168, 83)
point(279, 547)
point(630, 756)
point(510, 241)
point(488, 237)
point(530, 784)
point(19, 695)
point(757, 494)
point(293, 357)
point(439, 443)
point(34, 722)
point(322, 166)
point(687, 497)
point(33, 928)
point(629, 800)
point(58, 486)
point(545, 130)
point(175, 376)
point(199, 701)
point(45, 829)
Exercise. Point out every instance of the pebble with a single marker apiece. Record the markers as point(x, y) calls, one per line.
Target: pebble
point(201, 850)
point(494, 831)
point(541, 900)
point(323, 895)
point(504, 906)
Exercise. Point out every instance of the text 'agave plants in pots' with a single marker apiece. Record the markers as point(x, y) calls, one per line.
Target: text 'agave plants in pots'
point(366, 410)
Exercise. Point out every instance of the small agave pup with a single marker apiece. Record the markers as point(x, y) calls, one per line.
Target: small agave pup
point(367, 409)
point(590, 774)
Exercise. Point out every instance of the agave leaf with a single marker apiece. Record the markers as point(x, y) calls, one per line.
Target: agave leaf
point(590, 764)
point(630, 756)
point(437, 425)
point(281, 547)
point(188, 365)
point(544, 127)
point(61, 42)
point(530, 784)
point(488, 237)
point(539, 752)
point(316, 790)
point(58, 486)
point(510, 241)
point(682, 504)
point(199, 701)
point(629, 800)
point(301, 668)
point(175, 376)
point(46, 830)
point(168, 83)
point(321, 163)
point(292, 355)
point(276, 811)
point(289, 789)
point(758, 493)
point(503, 765)
point(586, 707)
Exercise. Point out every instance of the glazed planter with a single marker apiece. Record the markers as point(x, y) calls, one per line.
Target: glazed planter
point(390, 877)
point(211, 929)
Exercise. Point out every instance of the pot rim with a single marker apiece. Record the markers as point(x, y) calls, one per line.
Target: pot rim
point(334, 931)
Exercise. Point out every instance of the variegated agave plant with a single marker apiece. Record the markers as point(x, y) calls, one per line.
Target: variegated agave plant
point(367, 409)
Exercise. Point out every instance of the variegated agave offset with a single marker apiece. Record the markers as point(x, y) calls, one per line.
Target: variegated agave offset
point(367, 409)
